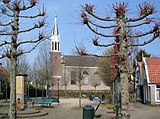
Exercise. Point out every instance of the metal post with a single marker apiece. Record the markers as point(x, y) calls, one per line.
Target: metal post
point(58, 90)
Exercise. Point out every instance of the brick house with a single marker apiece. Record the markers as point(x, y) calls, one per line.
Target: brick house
point(150, 80)
point(64, 67)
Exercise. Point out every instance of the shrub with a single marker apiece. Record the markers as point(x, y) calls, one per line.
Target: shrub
point(110, 106)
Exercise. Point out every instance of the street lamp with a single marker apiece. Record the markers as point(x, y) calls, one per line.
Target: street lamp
point(65, 82)
point(58, 80)
point(58, 89)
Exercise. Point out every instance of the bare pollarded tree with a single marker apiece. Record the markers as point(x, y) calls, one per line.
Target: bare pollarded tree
point(42, 67)
point(123, 33)
point(13, 15)
point(78, 75)
point(22, 65)
point(95, 82)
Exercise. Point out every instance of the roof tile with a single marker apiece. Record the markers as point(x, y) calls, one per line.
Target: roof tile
point(153, 67)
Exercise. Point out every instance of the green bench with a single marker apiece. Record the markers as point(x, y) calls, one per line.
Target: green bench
point(46, 101)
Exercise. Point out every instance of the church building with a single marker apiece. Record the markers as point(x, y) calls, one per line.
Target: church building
point(68, 71)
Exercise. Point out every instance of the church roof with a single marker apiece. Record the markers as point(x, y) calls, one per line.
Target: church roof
point(89, 61)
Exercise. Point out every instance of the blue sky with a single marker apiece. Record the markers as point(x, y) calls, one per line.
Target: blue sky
point(71, 29)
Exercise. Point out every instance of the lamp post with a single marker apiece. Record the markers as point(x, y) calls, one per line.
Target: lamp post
point(58, 85)
point(58, 89)
point(64, 74)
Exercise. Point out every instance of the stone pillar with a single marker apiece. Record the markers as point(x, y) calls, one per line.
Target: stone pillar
point(21, 91)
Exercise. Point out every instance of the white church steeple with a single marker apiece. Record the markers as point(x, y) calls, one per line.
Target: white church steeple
point(55, 38)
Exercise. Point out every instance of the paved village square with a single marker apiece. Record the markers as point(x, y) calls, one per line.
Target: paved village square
point(84, 59)
point(68, 109)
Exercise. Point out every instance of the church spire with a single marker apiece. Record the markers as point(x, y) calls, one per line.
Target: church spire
point(55, 30)
point(55, 38)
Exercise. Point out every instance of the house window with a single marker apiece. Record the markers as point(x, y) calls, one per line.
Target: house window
point(158, 91)
point(85, 78)
point(73, 78)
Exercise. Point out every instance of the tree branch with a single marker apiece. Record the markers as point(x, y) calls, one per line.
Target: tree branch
point(98, 33)
point(157, 34)
point(5, 43)
point(6, 24)
point(5, 34)
point(95, 42)
point(6, 2)
point(38, 15)
point(103, 19)
point(136, 19)
point(32, 4)
point(24, 52)
point(102, 56)
point(146, 9)
point(147, 21)
point(41, 37)
point(154, 30)
point(2, 56)
point(5, 12)
point(89, 10)
point(41, 24)
point(104, 27)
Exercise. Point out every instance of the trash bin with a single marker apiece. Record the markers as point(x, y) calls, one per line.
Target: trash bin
point(88, 112)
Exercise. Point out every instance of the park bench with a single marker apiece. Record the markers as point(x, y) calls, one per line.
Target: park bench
point(47, 101)
point(97, 98)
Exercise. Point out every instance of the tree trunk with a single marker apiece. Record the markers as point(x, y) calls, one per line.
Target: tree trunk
point(65, 91)
point(113, 92)
point(6, 91)
point(13, 63)
point(43, 92)
point(124, 95)
point(12, 110)
point(118, 97)
point(46, 89)
point(95, 90)
point(123, 66)
point(80, 95)
point(36, 92)
point(28, 90)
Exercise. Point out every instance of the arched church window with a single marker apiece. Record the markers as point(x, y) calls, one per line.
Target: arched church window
point(96, 79)
point(73, 78)
point(52, 45)
point(58, 46)
point(85, 78)
point(55, 45)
